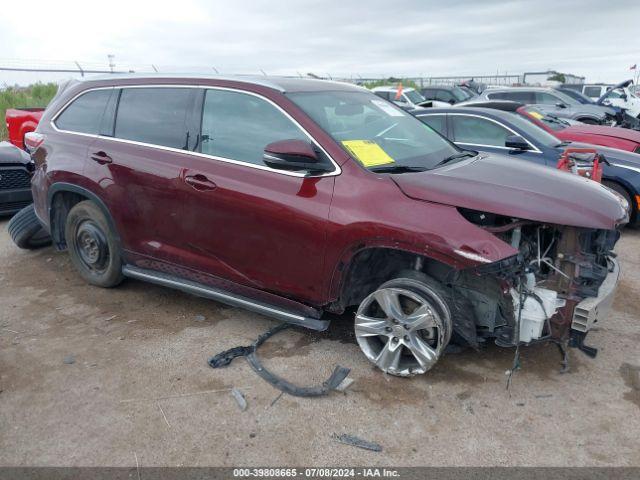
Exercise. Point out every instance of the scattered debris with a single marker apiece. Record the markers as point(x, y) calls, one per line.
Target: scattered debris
point(242, 402)
point(137, 465)
point(346, 383)
point(252, 435)
point(276, 399)
point(120, 338)
point(200, 318)
point(69, 360)
point(544, 395)
point(163, 415)
point(110, 318)
point(223, 359)
point(520, 404)
point(131, 400)
point(357, 442)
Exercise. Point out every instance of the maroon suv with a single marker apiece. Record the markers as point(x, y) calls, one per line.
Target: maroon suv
point(295, 197)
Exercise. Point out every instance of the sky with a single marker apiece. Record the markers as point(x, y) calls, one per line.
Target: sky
point(597, 39)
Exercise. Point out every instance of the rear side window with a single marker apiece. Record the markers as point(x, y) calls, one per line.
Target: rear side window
point(238, 126)
point(478, 131)
point(384, 95)
point(159, 116)
point(84, 114)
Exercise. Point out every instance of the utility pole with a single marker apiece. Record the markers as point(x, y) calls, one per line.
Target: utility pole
point(112, 64)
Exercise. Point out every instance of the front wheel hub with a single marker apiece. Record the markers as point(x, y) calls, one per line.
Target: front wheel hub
point(402, 332)
point(92, 246)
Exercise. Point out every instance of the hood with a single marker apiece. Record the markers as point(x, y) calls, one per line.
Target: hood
point(9, 153)
point(617, 132)
point(498, 184)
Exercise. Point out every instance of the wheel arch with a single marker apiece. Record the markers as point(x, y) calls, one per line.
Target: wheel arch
point(366, 267)
point(61, 197)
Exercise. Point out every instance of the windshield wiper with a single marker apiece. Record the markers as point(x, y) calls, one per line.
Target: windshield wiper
point(398, 169)
point(455, 156)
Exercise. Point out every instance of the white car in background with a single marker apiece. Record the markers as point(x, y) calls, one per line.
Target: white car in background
point(408, 98)
point(624, 96)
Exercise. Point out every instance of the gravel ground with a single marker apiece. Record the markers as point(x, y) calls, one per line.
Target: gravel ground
point(95, 377)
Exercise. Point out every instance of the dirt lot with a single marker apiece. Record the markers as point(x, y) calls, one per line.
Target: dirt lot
point(140, 387)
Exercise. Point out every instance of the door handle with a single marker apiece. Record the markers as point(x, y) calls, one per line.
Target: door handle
point(101, 157)
point(199, 182)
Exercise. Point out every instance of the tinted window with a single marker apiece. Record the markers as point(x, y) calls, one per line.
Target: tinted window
point(384, 95)
point(515, 96)
point(238, 126)
point(593, 92)
point(158, 116)
point(444, 96)
point(85, 113)
point(546, 98)
point(429, 93)
point(478, 131)
point(437, 122)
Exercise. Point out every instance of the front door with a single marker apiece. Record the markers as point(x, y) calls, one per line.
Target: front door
point(247, 222)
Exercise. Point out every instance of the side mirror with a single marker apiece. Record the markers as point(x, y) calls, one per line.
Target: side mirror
point(516, 142)
point(561, 105)
point(452, 102)
point(292, 155)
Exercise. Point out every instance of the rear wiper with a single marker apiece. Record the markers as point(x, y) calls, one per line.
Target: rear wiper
point(455, 156)
point(398, 169)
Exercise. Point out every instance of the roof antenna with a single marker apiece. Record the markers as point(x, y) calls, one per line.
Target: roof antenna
point(263, 72)
point(154, 68)
point(215, 69)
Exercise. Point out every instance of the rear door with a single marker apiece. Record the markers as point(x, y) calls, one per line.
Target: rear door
point(136, 167)
point(247, 222)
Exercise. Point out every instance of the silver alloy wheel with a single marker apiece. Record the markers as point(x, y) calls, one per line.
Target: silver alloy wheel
point(401, 331)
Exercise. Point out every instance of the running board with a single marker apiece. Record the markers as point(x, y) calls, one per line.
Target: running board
point(201, 290)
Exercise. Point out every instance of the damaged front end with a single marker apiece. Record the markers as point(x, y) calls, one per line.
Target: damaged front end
point(559, 284)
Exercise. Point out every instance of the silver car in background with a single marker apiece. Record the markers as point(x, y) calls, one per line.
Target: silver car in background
point(550, 101)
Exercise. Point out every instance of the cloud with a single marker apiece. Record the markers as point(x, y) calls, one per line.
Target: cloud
point(379, 38)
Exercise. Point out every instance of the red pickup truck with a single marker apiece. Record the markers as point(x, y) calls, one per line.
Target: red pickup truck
point(21, 121)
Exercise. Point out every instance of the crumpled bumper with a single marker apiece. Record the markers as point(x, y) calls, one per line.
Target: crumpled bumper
point(593, 309)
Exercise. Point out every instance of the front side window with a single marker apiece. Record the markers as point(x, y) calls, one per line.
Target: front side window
point(84, 114)
point(437, 122)
point(383, 133)
point(478, 131)
point(546, 98)
point(238, 126)
point(158, 116)
point(593, 92)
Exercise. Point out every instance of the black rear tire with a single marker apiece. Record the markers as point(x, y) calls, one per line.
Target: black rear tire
point(26, 231)
point(93, 247)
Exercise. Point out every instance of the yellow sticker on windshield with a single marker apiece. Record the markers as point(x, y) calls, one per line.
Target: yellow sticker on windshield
point(536, 115)
point(367, 152)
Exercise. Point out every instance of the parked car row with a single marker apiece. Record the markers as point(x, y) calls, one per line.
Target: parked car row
point(297, 198)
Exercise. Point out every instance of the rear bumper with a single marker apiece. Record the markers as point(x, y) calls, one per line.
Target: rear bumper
point(594, 309)
point(12, 201)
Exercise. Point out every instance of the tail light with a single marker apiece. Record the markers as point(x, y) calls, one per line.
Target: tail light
point(33, 140)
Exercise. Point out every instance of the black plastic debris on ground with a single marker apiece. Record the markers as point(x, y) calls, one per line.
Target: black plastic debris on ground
point(357, 442)
point(223, 359)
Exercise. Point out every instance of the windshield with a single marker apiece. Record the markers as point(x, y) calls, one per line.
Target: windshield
point(414, 96)
point(550, 121)
point(374, 131)
point(459, 94)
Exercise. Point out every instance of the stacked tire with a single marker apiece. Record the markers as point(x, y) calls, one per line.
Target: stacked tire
point(26, 231)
